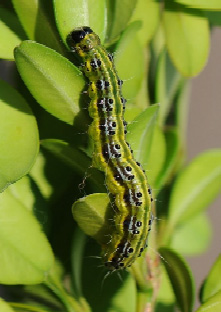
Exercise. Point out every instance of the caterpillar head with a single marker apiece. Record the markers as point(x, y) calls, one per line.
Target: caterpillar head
point(82, 38)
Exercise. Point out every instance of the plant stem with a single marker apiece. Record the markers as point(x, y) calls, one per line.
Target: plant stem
point(69, 302)
point(26, 307)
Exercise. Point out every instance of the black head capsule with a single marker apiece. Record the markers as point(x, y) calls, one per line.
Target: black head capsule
point(78, 35)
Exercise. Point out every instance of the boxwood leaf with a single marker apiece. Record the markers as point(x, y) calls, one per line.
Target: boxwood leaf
point(119, 14)
point(124, 300)
point(38, 175)
point(197, 232)
point(205, 4)
point(72, 156)
point(187, 38)
point(214, 17)
point(157, 154)
point(167, 82)
point(140, 132)
point(76, 159)
point(75, 13)
point(5, 307)
point(172, 145)
point(52, 79)
point(180, 278)
point(38, 21)
point(165, 295)
point(147, 11)
point(116, 295)
point(213, 283)
point(11, 34)
point(128, 51)
point(212, 304)
point(25, 254)
point(19, 142)
point(92, 214)
point(196, 186)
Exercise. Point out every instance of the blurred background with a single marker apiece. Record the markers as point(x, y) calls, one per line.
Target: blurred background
point(204, 132)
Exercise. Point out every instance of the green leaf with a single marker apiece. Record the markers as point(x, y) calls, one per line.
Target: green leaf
point(72, 156)
point(23, 307)
point(75, 159)
point(129, 61)
point(38, 21)
point(76, 13)
point(140, 133)
point(11, 34)
point(197, 232)
point(181, 108)
point(19, 142)
point(167, 82)
point(124, 300)
point(165, 295)
point(117, 294)
point(172, 145)
point(118, 16)
point(157, 154)
point(92, 215)
point(180, 278)
point(25, 254)
point(212, 304)
point(5, 307)
point(213, 283)
point(132, 112)
point(187, 38)
point(52, 79)
point(213, 17)
point(148, 12)
point(22, 191)
point(202, 4)
point(38, 175)
point(77, 253)
point(196, 186)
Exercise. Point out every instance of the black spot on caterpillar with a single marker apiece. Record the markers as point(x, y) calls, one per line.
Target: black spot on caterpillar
point(125, 178)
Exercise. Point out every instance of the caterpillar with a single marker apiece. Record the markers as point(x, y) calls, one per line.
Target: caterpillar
point(125, 179)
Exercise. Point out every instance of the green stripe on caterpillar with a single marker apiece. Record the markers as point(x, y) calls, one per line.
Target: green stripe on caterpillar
point(125, 178)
